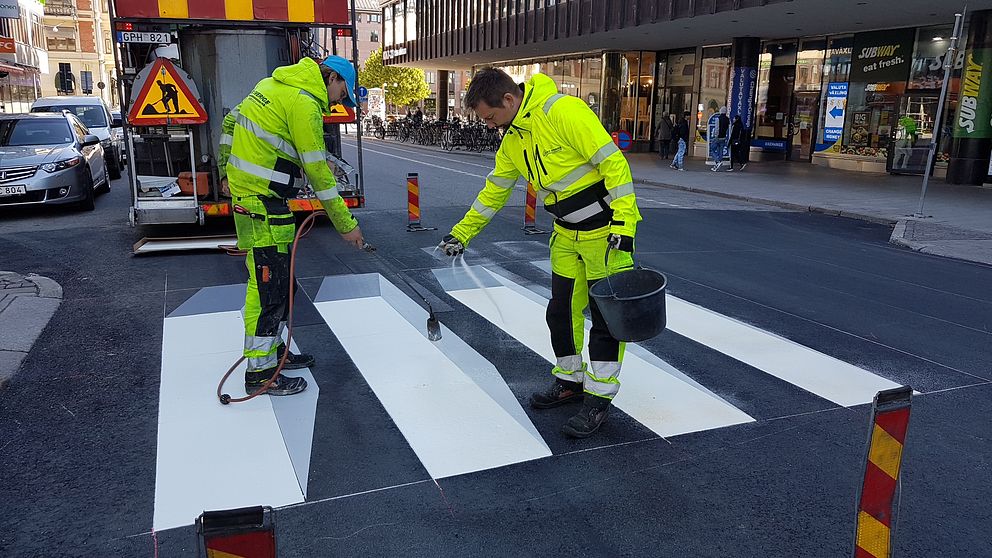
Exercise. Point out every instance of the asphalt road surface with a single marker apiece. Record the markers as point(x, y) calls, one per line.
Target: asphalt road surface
point(741, 430)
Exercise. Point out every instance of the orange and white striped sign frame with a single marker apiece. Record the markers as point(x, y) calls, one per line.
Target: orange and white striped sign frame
point(329, 12)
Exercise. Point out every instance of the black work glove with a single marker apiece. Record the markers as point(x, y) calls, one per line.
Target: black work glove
point(621, 242)
point(451, 246)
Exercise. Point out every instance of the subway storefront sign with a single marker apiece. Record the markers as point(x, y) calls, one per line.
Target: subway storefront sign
point(974, 117)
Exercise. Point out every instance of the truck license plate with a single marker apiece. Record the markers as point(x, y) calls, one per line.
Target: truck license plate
point(12, 190)
point(139, 37)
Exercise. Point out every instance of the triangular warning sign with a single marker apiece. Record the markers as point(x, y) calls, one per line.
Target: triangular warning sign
point(339, 114)
point(166, 96)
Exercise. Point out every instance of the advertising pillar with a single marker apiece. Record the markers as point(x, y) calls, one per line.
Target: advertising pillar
point(442, 94)
point(973, 122)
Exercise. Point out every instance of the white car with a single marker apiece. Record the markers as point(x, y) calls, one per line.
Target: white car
point(95, 114)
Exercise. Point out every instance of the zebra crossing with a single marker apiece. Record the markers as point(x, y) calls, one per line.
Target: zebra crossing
point(455, 410)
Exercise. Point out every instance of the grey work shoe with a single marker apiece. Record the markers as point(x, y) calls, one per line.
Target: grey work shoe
point(594, 411)
point(283, 385)
point(560, 393)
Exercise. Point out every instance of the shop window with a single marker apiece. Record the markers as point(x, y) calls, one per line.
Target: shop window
point(714, 84)
point(591, 81)
point(776, 79)
point(374, 37)
point(628, 72)
point(880, 66)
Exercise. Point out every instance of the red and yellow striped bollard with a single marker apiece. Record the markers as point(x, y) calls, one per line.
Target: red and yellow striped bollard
point(530, 212)
point(890, 420)
point(413, 204)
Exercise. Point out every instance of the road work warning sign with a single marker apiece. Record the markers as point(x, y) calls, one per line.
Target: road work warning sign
point(166, 96)
point(339, 114)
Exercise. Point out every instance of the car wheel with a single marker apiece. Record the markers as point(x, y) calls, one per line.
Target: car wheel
point(105, 189)
point(87, 204)
point(114, 164)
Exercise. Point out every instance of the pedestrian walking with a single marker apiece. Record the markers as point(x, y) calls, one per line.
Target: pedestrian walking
point(558, 143)
point(682, 137)
point(738, 144)
point(663, 131)
point(719, 143)
point(276, 131)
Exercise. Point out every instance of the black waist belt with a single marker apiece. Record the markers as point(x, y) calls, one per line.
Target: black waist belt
point(586, 210)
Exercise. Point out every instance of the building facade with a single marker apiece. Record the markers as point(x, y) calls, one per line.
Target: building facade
point(81, 58)
point(23, 60)
point(369, 28)
point(845, 84)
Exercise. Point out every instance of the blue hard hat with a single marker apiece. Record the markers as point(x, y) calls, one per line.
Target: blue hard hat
point(346, 70)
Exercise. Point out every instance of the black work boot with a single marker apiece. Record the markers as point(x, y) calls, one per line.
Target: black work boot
point(560, 393)
point(294, 361)
point(590, 417)
point(284, 385)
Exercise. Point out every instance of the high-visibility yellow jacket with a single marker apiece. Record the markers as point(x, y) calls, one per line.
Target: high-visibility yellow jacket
point(276, 131)
point(558, 144)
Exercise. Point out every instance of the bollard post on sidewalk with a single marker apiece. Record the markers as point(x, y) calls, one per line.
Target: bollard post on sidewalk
point(413, 204)
point(530, 212)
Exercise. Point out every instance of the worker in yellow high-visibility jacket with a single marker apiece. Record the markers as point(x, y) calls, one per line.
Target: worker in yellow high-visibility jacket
point(559, 145)
point(274, 133)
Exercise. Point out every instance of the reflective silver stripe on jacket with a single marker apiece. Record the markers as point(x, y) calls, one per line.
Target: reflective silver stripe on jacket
point(260, 171)
point(313, 157)
point(268, 137)
point(328, 194)
point(603, 153)
point(484, 209)
point(551, 101)
point(621, 191)
point(570, 178)
point(500, 181)
point(226, 139)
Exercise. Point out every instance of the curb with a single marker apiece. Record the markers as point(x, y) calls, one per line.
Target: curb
point(775, 203)
point(23, 307)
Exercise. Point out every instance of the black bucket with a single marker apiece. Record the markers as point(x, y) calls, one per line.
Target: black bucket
point(633, 303)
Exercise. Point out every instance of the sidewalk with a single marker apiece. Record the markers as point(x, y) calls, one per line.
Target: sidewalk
point(26, 305)
point(958, 222)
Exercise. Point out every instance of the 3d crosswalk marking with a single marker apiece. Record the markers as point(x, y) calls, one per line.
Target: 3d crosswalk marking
point(451, 405)
point(209, 453)
point(809, 369)
point(654, 393)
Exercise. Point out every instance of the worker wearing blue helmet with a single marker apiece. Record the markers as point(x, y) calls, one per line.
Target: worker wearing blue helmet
point(268, 139)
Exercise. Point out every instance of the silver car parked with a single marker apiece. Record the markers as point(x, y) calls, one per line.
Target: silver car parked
point(50, 159)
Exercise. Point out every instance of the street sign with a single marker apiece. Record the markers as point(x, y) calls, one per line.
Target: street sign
point(136, 37)
point(622, 139)
point(167, 96)
point(340, 114)
point(363, 93)
point(833, 125)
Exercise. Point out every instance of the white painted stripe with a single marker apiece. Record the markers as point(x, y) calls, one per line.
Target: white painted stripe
point(457, 418)
point(651, 390)
point(421, 152)
point(423, 163)
point(813, 371)
point(212, 456)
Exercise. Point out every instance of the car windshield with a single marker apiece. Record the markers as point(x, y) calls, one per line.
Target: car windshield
point(93, 116)
point(35, 131)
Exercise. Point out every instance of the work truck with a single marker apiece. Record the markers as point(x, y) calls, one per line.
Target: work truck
point(183, 65)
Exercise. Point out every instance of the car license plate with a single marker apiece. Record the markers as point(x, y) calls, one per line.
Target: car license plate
point(136, 37)
point(13, 190)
